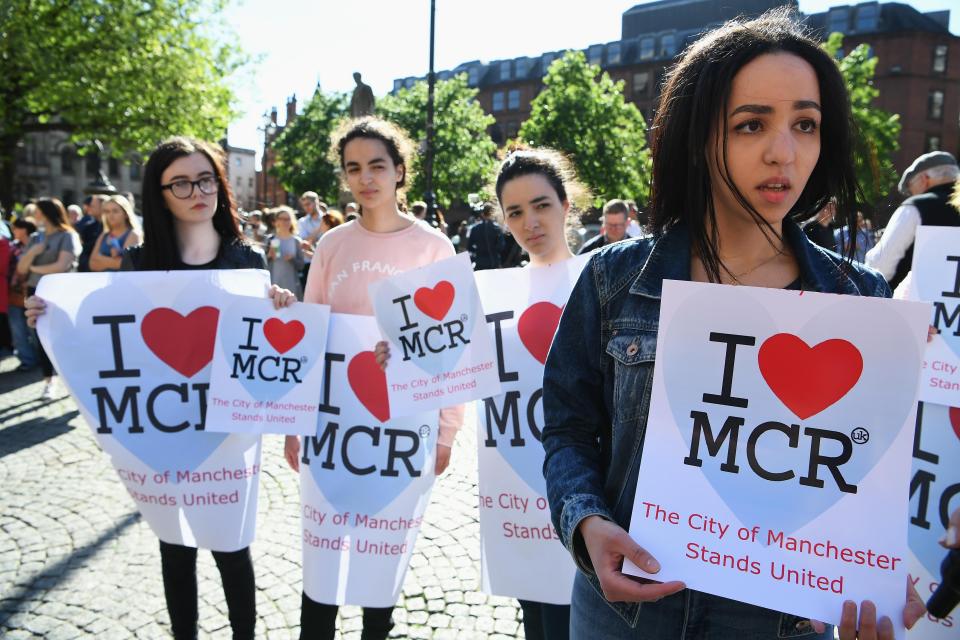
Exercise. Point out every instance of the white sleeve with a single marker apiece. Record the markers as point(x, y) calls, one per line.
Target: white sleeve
point(895, 241)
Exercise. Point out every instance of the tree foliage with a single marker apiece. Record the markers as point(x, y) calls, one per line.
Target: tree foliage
point(582, 112)
point(126, 72)
point(464, 153)
point(878, 131)
point(302, 163)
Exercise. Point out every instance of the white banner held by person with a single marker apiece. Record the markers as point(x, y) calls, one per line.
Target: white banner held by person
point(520, 552)
point(936, 279)
point(268, 368)
point(365, 477)
point(134, 349)
point(433, 319)
point(784, 421)
point(934, 495)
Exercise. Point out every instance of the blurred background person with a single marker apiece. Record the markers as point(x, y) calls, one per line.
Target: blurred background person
point(24, 344)
point(485, 240)
point(121, 229)
point(285, 255)
point(614, 228)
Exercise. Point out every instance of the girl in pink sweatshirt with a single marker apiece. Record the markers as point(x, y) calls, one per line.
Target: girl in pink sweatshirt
point(383, 241)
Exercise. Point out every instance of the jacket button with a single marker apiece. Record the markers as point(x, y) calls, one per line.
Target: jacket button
point(632, 349)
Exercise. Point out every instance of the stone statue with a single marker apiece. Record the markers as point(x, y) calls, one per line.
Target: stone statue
point(363, 102)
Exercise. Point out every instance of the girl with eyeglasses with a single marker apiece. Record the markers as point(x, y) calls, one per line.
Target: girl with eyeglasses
point(191, 223)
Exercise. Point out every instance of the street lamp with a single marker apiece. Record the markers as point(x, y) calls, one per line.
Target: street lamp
point(428, 162)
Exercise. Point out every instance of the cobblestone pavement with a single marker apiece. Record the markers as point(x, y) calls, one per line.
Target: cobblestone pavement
point(77, 561)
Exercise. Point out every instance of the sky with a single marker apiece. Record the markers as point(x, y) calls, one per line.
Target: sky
point(299, 43)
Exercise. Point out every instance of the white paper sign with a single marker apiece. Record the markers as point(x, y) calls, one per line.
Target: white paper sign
point(521, 555)
point(783, 421)
point(934, 495)
point(936, 279)
point(268, 368)
point(433, 319)
point(365, 478)
point(134, 349)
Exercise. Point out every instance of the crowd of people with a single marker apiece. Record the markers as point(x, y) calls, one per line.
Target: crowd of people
point(785, 157)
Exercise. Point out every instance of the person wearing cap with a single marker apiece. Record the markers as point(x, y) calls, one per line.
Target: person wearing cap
point(928, 183)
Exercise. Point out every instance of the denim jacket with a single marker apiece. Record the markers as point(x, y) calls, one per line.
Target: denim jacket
point(599, 374)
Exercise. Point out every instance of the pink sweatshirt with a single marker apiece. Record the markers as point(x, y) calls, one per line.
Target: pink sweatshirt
point(348, 258)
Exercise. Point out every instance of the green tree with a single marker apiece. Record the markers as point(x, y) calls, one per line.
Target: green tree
point(582, 112)
point(126, 72)
point(878, 131)
point(464, 153)
point(302, 163)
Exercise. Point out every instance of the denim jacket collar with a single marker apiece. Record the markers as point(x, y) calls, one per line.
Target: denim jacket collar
point(670, 260)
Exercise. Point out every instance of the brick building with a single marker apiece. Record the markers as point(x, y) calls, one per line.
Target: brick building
point(269, 191)
point(918, 75)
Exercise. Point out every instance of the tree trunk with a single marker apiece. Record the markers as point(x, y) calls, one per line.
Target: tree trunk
point(8, 151)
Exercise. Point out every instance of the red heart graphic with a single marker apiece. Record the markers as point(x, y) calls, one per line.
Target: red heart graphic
point(537, 326)
point(808, 380)
point(184, 343)
point(435, 302)
point(283, 336)
point(369, 384)
point(955, 420)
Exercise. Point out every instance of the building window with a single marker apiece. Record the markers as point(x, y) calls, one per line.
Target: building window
point(513, 99)
point(512, 129)
point(935, 105)
point(473, 76)
point(668, 45)
point(66, 161)
point(595, 54)
point(866, 19)
point(933, 143)
point(547, 60)
point(496, 134)
point(646, 48)
point(522, 65)
point(837, 20)
point(113, 167)
point(641, 82)
point(839, 54)
point(250, 182)
point(93, 163)
point(505, 70)
point(940, 58)
point(397, 85)
point(613, 53)
point(498, 100)
point(135, 170)
point(410, 82)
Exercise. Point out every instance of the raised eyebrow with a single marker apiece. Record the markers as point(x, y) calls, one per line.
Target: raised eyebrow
point(539, 199)
point(759, 109)
point(806, 104)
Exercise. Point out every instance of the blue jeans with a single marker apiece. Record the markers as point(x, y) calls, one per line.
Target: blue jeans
point(23, 342)
point(688, 615)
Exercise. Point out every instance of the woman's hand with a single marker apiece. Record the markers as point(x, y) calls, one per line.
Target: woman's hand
point(443, 458)
point(291, 452)
point(931, 331)
point(382, 353)
point(608, 545)
point(34, 307)
point(281, 297)
point(872, 629)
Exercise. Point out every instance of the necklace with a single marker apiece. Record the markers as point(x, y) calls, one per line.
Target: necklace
point(736, 277)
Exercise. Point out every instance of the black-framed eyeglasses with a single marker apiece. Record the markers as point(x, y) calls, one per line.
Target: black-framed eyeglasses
point(183, 189)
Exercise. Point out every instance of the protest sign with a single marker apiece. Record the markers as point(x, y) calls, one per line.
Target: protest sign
point(934, 495)
point(783, 421)
point(936, 279)
point(134, 349)
point(365, 477)
point(520, 553)
point(268, 367)
point(433, 318)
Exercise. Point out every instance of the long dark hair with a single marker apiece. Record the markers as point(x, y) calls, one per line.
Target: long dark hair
point(160, 250)
point(55, 214)
point(695, 99)
point(555, 167)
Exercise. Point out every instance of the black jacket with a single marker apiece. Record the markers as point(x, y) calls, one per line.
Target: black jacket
point(234, 254)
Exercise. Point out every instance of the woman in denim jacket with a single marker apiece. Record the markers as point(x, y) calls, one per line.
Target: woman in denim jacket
point(753, 132)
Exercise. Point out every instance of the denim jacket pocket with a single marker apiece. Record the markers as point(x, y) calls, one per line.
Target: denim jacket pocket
point(792, 626)
point(633, 352)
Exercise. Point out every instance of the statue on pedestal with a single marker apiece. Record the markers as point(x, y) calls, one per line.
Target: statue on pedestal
point(362, 102)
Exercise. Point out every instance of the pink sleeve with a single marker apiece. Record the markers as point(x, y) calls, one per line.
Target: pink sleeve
point(451, 419)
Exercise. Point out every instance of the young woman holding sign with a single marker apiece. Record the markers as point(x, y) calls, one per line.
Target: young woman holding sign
point(191, 222)
point(753, 133)
point(536, 189)
point(375, 157)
